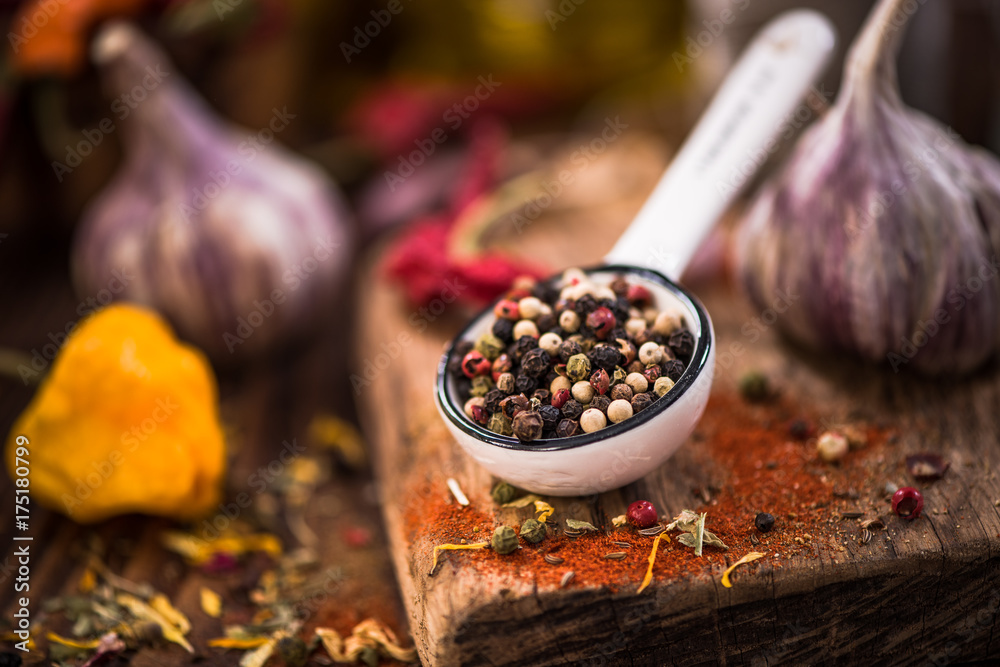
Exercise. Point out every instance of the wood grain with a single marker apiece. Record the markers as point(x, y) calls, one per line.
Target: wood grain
point(914, 595)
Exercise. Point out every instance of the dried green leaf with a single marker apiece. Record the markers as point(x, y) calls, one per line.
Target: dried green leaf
point(699, 534)
point(712, 540)
point(685, 521)
point(576, 524)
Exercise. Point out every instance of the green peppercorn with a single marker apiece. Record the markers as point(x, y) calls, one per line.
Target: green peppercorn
point(293, 651)
point(755, 387)
point(481, 385)
point(503, 493)
point(501, 424)
point(504, 540)
point(578, 368)
point(532, 531)
point(618, 376)
point(569, 347)
point(489, 346)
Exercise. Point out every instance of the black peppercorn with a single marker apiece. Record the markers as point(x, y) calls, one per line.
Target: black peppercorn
point(619, 286)
point(525, 384)
point(504, 329)
point(546, 322)
point(567, 428)
point(617, 333)
point(682, 344)
point(543, 396)
point(527, 426)
point(521, 347)
point(640, 402)
point(605, 357)
point(545, 291)
point(572, 409)
point(463, 385)
point(585, 305)
point(536, 362)
point(621, 392)
point(550, 416)
point(636, 367)
point(673, 369)
point(620, 309)
point(567, 349)
point(600, 402)
point(764, 522)
point(462, 348)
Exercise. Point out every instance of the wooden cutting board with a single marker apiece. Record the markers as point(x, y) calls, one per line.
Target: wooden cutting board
point(927, 590)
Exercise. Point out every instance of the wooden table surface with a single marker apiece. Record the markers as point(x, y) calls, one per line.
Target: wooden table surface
point(922, 591)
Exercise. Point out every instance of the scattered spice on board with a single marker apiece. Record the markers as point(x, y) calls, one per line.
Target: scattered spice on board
point(757, 467)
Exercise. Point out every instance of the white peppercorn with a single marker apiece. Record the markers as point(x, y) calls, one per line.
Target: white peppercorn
point(667, 322)
point(569, 321)
point(560, 382)
point(525, 328)
point(635, 326)
point(550, 342)
point(662, 385)
point(638, 382)
point(619, 411)
point(530, 307)
point(649, 353)
point(832, 446)
point(583, 392)
point(592, 420)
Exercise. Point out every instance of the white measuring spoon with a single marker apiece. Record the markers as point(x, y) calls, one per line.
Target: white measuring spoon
point(734, 137)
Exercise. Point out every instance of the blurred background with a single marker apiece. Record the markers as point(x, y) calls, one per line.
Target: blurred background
point(427, 124)
point(358, 107)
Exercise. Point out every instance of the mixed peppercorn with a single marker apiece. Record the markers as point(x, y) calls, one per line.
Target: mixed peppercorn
point(570, 357)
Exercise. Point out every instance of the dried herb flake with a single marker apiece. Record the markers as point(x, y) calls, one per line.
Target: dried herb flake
point(749, 558)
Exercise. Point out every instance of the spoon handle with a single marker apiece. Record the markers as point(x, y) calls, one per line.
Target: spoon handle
point(740, 130)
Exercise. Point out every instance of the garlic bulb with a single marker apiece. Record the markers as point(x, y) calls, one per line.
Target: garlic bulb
point(883, 225)
point(235, 240)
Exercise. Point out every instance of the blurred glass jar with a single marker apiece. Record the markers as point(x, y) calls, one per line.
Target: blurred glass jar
point(565, 45)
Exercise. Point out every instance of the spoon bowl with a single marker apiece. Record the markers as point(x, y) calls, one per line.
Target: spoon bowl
point(719, 157)
point(615, 455)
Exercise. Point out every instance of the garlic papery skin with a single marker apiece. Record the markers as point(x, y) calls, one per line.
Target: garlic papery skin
point(239, 243)
point(883, 224)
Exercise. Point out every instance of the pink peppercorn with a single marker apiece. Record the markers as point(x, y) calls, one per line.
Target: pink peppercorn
point(560, 397)
point(641, 514)
point(507, 309)
point(639, 296)
point(475, 364)
point(602, 321)
point(907, 503)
